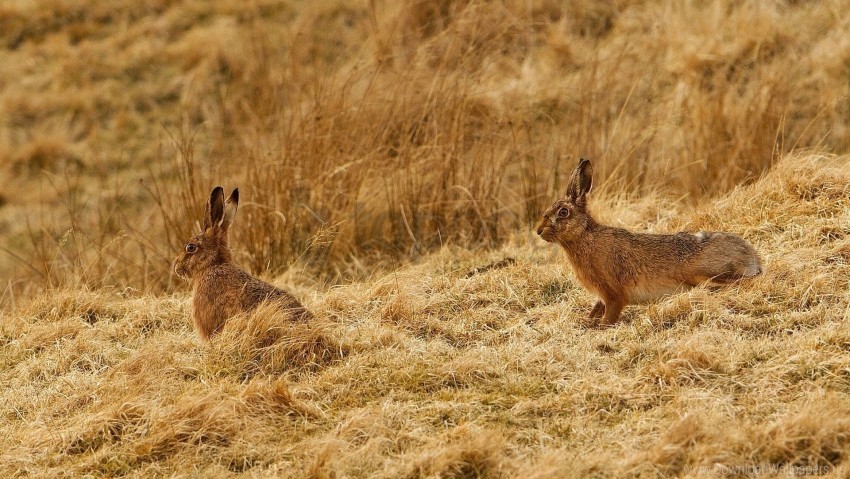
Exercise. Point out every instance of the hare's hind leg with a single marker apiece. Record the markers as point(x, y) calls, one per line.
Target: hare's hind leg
point(728, 258)
point(732, 271)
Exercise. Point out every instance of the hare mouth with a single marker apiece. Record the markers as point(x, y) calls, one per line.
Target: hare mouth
point(181, 272)
point(546, 234)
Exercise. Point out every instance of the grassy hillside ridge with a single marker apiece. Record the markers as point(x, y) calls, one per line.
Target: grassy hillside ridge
point(426, 372)
point(368, 132)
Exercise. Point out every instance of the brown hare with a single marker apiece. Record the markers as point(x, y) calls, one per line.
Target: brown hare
point(621, 267)
point(221, 289)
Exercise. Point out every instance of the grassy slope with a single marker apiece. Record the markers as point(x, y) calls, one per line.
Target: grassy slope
point(427, 373)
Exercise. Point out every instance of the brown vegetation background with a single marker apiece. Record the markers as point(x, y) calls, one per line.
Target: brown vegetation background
point(386, 153)
point(362, 133)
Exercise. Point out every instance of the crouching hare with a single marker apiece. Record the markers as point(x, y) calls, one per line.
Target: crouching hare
point(621, 267)
point(220, 288)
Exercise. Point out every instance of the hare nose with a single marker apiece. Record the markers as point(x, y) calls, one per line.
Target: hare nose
point(539, 230)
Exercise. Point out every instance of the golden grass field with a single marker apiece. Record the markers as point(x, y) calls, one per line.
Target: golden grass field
point(387, 152)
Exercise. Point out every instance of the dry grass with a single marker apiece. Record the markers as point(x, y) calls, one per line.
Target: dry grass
point(431, 371)
point(392, 156)
point(365, 133)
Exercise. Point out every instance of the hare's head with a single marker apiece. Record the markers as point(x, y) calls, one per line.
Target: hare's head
point(209, 247)
point(568, 218)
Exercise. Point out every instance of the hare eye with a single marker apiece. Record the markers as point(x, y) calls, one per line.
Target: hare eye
point(563, 213)
point(191, 247)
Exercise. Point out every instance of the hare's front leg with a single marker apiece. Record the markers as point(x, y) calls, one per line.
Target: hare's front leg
point(597, 311)
point(613, 308)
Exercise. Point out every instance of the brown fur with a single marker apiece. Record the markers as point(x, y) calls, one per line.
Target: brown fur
point(220, 288)
point(621, 267)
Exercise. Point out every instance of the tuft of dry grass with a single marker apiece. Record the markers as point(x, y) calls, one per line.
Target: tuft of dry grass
point(428, 371)
point(263, 343)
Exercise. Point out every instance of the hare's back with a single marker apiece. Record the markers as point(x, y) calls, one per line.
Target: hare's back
point(256, 292)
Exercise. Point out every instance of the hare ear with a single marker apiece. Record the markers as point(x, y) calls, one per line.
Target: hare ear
point(207, 220)
point(581, 181)
point(215, 208)
point(230, 209)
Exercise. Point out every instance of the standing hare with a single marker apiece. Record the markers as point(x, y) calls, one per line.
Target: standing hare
point(221, 289)
point(621, 267)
